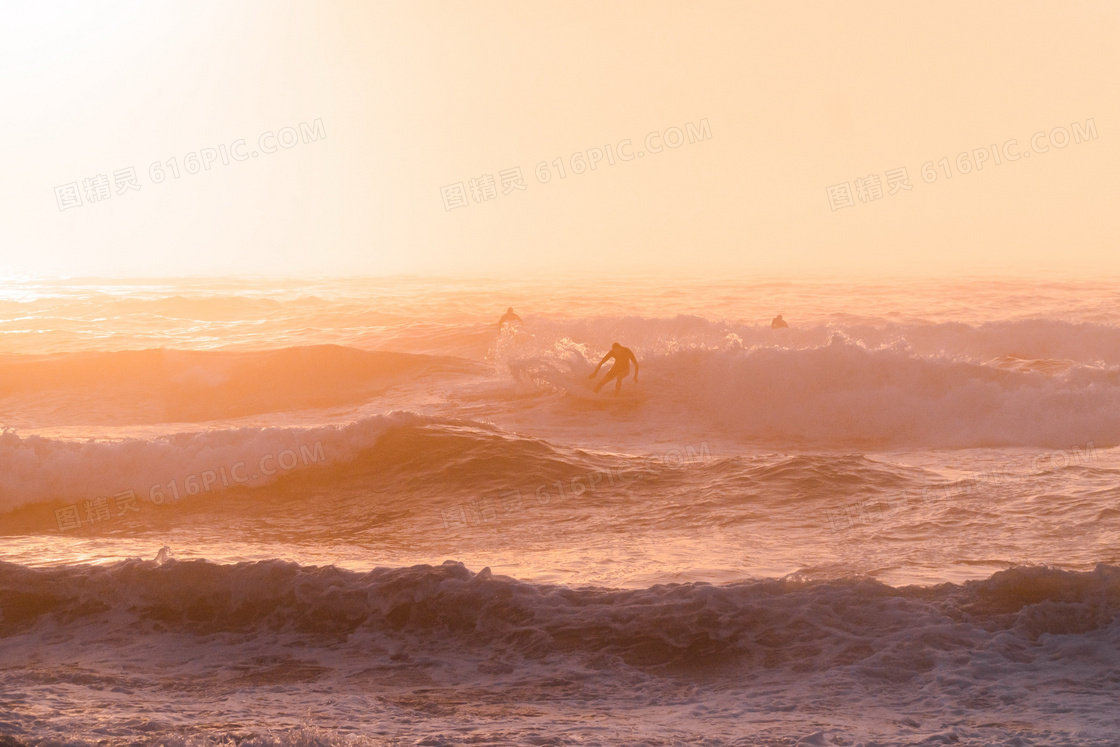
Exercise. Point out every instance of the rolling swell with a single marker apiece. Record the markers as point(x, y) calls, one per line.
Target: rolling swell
point(40, 469)
point(1036, 383)
point(847, 394)
point(885, 632)
point(405, 455)
point(401, 451)
point(167, 386)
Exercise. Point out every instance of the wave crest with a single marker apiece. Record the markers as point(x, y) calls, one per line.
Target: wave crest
point(767, 623)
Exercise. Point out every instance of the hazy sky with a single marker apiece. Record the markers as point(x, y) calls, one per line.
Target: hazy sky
point(413, 98)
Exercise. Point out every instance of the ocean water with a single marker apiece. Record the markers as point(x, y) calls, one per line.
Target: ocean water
point(257, 512)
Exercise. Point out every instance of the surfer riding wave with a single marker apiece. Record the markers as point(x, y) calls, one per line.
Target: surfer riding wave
point(622, 357)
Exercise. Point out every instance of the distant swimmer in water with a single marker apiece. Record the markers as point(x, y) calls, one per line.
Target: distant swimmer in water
point(778, 323)
point(510, 317)
point(622, 357)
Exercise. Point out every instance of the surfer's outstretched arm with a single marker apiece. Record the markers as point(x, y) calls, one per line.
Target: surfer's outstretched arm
point(606, 358)
point(635, 359)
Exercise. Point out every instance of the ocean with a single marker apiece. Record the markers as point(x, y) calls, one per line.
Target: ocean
point(254, 511)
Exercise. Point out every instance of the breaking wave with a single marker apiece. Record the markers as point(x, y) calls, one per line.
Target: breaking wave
point(879, 631)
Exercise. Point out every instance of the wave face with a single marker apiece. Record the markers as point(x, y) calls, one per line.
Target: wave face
point(847, 393)
point(401, 451)
point(40, 469)
point(885, 632)
point(840, 384)
point(421, 646)
point(410, 453)
point(840, 393)
point(895, 522)
point(844, 393)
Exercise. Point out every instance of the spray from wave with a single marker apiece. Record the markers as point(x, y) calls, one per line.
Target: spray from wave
point(845, 393)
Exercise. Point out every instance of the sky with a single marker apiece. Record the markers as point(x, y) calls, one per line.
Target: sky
point(751, 139)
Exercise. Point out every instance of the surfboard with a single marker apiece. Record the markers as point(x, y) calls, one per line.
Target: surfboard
point(585, 391)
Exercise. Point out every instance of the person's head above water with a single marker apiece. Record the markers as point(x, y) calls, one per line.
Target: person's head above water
point(615, 346)
point(509, 309)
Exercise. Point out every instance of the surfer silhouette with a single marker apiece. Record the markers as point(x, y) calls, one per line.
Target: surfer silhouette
point(778, 323)
point(509, 317)
point(622, 357)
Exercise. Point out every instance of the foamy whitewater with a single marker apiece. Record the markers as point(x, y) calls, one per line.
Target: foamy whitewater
point(355, 513)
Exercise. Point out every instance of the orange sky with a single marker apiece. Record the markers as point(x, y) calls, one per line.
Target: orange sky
point(415, 97)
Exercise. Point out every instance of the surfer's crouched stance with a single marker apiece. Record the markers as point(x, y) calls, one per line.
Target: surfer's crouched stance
point(622, 357)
